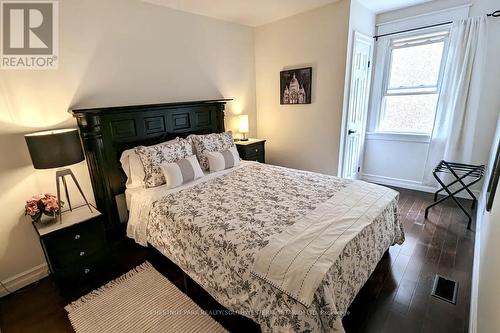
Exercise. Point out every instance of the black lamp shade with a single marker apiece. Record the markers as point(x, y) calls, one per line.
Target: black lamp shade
point(54, 149)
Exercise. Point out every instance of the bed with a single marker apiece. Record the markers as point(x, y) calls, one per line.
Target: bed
point(223, 228)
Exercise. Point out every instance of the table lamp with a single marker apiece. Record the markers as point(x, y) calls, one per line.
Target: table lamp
point(56, 149)
point(244, 127)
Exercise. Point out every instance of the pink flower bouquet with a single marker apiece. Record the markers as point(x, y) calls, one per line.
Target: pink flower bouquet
point(38, 205)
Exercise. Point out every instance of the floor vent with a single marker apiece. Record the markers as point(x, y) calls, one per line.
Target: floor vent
point(445, 289)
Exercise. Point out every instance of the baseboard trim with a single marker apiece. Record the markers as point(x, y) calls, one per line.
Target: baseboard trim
point(476, 265)
point(408, 184)
point(24, 278)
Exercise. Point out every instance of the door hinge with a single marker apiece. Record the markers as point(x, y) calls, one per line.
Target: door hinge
point(359, 169)
point(369, 63)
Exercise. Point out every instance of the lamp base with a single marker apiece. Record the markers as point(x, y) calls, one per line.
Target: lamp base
point(60, 176)
point(244, 137)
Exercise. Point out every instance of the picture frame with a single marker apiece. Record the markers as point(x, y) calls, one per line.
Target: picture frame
point(493, 180)
point(295, 86)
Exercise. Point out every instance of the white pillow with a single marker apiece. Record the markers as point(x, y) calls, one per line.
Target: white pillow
point(181, 171)
point(225, 159)
point(125, 161)
point(136, 171)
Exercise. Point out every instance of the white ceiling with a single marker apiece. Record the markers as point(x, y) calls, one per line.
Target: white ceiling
point(247, 12)
point(258, 12)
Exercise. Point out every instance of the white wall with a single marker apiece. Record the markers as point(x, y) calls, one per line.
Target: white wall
point(486, 277)
point(394, 160)
point(303, 136)
point(115, 52)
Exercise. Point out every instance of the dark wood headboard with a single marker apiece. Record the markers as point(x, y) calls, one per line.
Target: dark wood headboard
point(107, 132)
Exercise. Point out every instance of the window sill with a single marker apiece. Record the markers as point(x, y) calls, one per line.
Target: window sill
point(405, 137)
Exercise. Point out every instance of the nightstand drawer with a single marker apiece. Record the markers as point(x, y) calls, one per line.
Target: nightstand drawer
point(83, 270)
point(255, 149)
point(63, 259)
point(254, 156)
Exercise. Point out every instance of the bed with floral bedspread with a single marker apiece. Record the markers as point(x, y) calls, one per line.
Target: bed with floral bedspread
point(214, 228)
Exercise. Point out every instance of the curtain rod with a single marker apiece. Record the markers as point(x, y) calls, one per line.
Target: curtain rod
point(494, 14)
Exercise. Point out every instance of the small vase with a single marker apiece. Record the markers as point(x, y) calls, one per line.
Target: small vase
point(47, 219)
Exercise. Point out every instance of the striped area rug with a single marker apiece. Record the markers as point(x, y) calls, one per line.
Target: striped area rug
point(141, 300)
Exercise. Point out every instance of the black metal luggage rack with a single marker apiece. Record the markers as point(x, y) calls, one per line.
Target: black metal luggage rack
point(462, 172)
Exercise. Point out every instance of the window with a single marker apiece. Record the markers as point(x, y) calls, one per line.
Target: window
point(412, 82)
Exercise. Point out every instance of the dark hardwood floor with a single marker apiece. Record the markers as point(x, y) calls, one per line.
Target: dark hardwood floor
point(396, 298)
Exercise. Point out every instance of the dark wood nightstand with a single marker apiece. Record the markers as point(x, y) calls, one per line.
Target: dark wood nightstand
point(76, 250)
point(252, 150)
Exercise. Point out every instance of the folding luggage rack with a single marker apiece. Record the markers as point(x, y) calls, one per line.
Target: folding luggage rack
point(462, 173)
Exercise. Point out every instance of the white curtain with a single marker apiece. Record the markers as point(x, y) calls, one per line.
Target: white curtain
point(454, 126)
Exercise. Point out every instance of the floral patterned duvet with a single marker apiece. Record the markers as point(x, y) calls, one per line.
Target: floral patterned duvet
point(214, 229)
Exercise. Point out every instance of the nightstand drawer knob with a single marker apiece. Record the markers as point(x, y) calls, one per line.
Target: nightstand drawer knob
point(86, 271)
point(256, 150)
point(77, 236)
point(82, 254)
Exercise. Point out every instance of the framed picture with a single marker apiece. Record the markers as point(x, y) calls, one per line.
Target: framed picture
point(493, 180)
point(295, 86)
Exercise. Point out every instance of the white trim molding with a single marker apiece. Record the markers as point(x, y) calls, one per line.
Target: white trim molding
point(474, 293)
point(408, 184)
point(434, 12)
point(424, 19)
point(393, 136)
point(24, 278)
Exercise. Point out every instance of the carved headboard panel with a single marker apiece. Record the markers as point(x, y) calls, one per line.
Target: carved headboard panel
point(107, 132)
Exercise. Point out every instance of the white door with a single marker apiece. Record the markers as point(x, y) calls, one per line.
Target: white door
point(359, 94)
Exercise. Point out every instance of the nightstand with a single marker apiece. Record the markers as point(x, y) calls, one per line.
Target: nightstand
point(76, 249)
point(252, 150)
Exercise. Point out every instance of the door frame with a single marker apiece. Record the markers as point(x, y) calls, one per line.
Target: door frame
point(347, 93)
